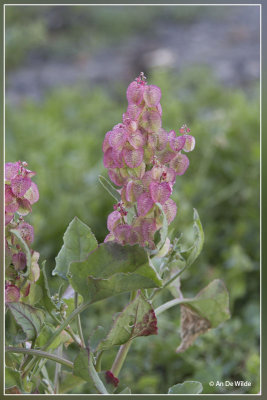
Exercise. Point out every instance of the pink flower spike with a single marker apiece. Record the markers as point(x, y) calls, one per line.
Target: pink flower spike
point(133, 158)
point(144, 204)
point(160, 192)
point(20, 185)
point(189, 143)
point(135, 93)
point(32, 194)
point(180, 164)
point(11, 170)
point(152, 95)
point(113, 219)
point(170, 209)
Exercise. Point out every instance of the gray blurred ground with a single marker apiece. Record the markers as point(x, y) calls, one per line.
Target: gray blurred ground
point(224, 38)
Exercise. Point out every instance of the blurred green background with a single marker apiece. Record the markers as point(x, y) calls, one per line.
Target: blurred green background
point(67, 70)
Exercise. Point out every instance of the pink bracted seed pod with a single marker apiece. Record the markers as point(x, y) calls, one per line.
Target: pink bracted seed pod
point(144, 161)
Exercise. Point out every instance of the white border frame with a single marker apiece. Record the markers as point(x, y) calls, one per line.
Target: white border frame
point(150, 5)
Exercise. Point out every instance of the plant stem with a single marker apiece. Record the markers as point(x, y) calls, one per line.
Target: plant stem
point(120, 358)
point(94, 375)
point(42, 354)
point(79, 325)
point(57, 371)
point(38, 367)
point(168, 305)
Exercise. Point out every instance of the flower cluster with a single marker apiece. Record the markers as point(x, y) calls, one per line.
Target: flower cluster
point(143, 160)
point(20, 193)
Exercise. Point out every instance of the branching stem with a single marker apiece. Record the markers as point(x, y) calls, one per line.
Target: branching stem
point(42, 354)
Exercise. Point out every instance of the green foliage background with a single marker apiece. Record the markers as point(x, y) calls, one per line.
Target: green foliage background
point(60, 137)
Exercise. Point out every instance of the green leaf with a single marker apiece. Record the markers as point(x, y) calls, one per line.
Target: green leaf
point(212, 303)
point(46, 300)
point(29, 318)
point(137, 319)
point(109, 188)
point(187, 387)
point(25, 248)
point(12, 378)
point(190, 255)
point(78, 242)
point(112, 269)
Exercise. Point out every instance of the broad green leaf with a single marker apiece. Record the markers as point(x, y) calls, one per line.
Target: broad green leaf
point(137, 319)
point(83, 367)
point(29, 318)
point(193, 252)
point(109, 188)
point(212, 303)
point(187, 387)
point(46, 300)
point(25, 248)
point(112, 269)
point(78, 242)
point(12, 378)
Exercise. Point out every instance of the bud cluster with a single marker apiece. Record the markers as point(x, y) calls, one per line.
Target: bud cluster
point(143, 160)
point(20, 193)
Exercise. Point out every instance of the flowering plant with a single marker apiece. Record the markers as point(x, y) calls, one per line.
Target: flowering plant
point(138, 256)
